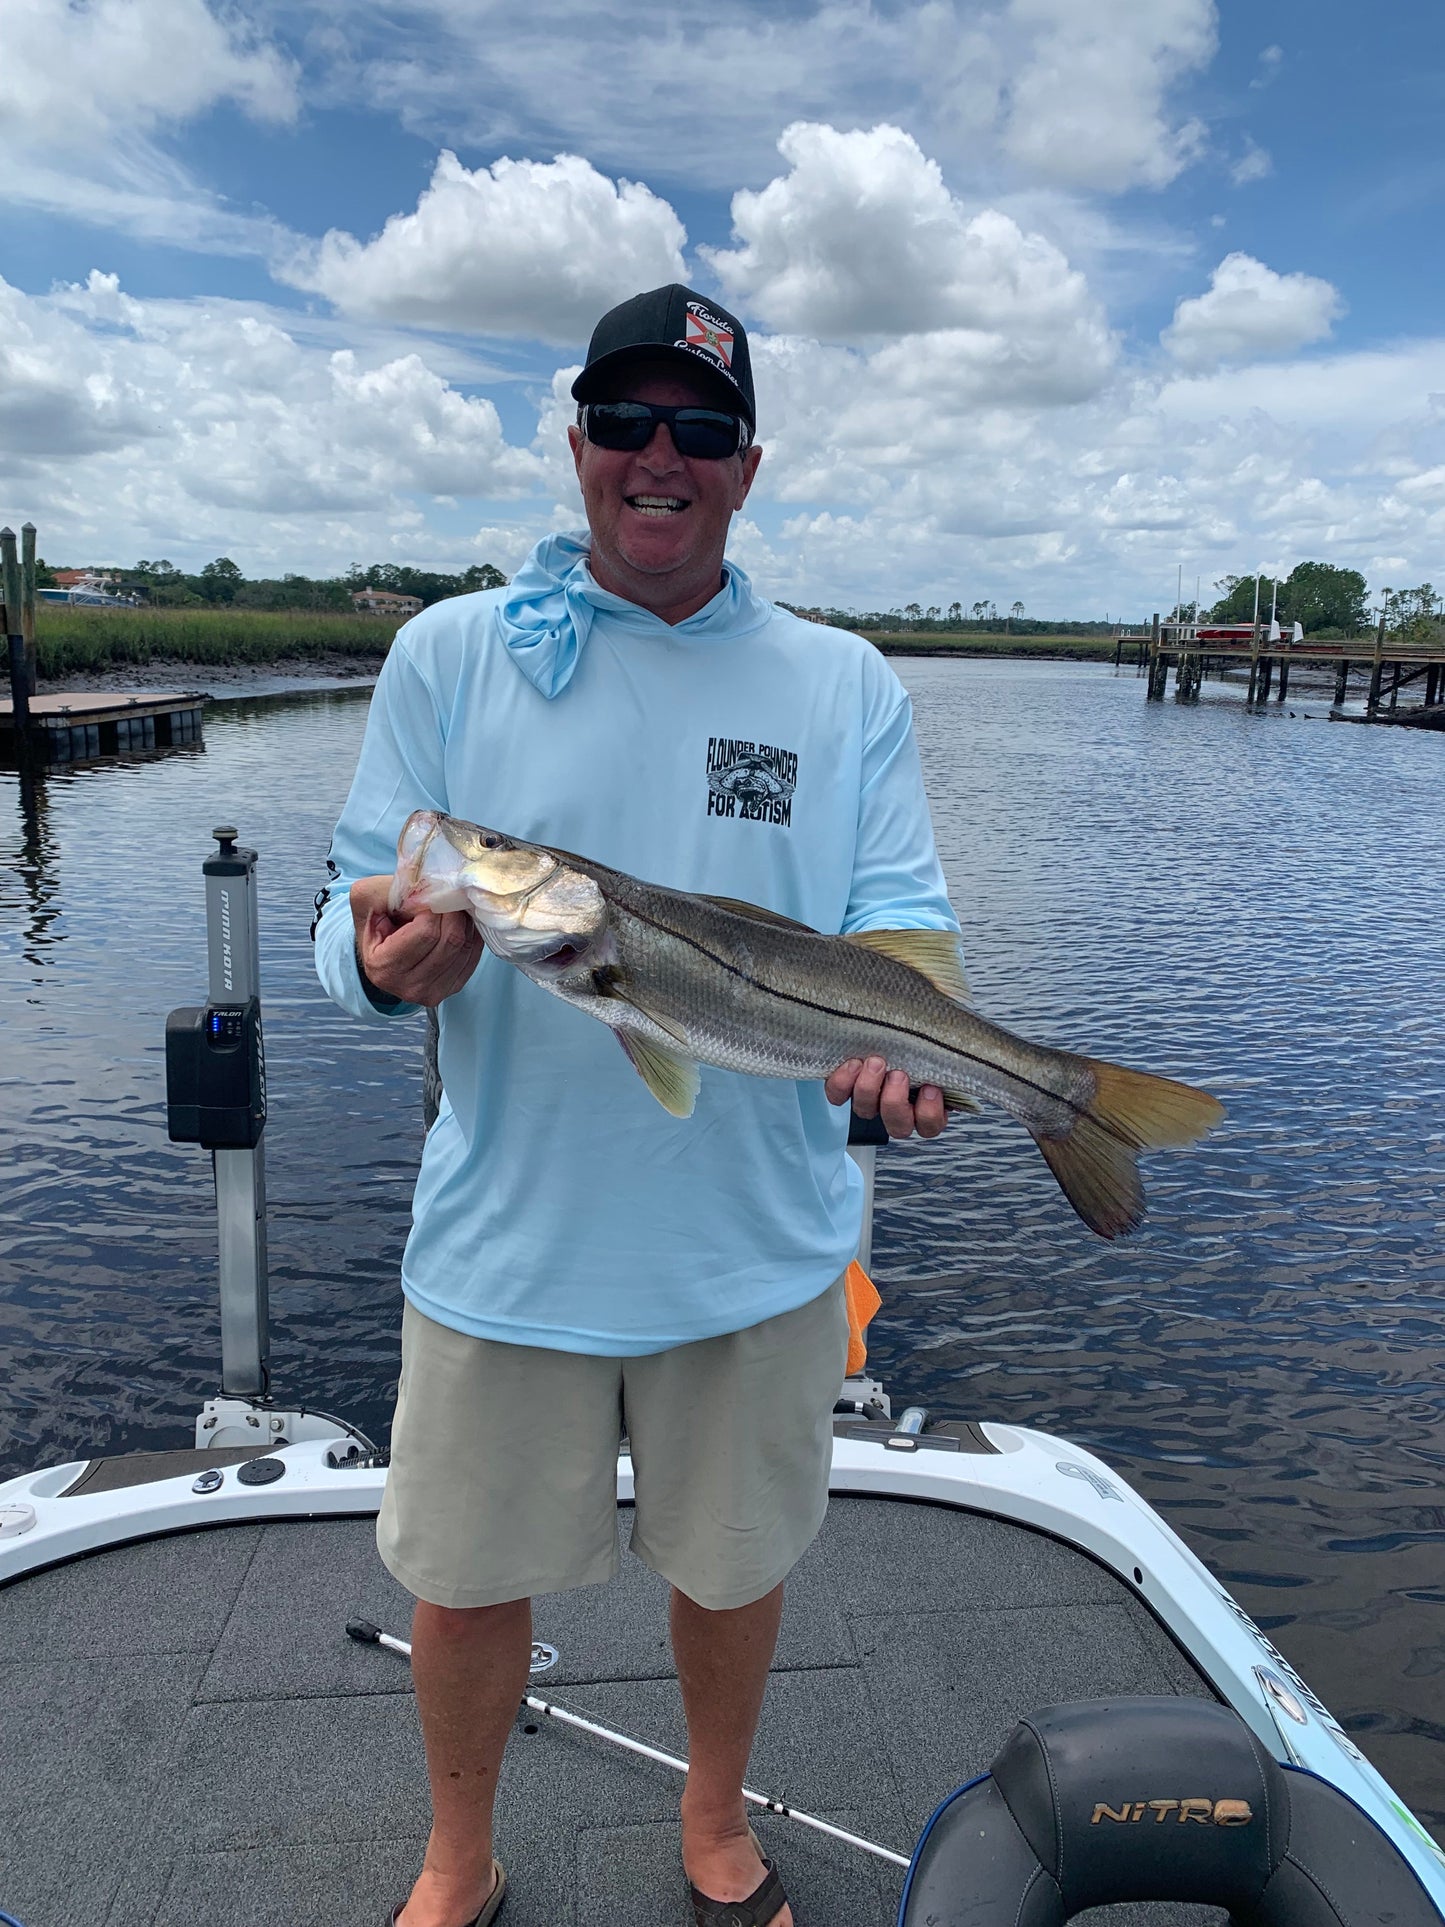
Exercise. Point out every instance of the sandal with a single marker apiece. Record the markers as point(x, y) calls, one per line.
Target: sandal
point(491, 1907)
point(767, 1900)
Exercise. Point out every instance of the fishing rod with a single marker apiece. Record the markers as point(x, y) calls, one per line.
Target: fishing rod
point(366, 1634)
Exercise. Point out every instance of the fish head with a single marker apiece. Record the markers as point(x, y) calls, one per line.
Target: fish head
point(532, 908)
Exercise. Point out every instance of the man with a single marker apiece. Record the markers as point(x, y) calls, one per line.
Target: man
point(580, 1260)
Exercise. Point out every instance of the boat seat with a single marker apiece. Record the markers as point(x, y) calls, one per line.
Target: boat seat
point(1153, 1799)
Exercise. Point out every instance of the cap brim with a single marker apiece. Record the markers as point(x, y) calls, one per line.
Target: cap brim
point(598, 375)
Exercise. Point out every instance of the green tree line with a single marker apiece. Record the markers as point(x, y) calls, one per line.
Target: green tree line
point(957, 619)
point(1324, 600)
point(222, 584)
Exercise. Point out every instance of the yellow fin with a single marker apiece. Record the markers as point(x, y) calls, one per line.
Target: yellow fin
point(1149, 1111)
point(672, 1079)
point(1096, 1164)
point(934, 954)
point(957, 1100)
point(738, 908)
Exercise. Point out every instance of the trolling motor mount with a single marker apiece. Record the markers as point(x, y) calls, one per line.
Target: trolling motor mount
point(216, 1097)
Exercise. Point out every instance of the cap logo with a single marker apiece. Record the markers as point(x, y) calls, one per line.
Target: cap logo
point(709, 333)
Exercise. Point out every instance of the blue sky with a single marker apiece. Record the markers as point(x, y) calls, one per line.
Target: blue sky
point(1047, 299)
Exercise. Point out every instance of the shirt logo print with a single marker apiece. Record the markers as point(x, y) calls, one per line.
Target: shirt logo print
point(750, 782)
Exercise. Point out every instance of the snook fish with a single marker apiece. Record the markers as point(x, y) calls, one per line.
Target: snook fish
point(684, 980)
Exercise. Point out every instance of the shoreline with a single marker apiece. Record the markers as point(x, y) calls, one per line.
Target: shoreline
point(340, 669)
point(219, 680)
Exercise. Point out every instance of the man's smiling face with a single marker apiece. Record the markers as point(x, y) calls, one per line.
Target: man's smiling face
point(660, 520)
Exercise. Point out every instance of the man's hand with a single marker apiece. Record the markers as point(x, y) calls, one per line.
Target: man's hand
point(421, 958)
point(878, 1092)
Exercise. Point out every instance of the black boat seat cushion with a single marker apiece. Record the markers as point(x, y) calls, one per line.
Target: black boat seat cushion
point(1154, 1799)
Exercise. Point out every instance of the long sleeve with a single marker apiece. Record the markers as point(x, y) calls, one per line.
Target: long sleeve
point(400, 769)
point(897, 881)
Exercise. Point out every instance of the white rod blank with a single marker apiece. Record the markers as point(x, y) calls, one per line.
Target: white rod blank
point(781, 1807)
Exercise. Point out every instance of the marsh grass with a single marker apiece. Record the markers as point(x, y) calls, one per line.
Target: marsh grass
point(75, 637)
point(1046, 648)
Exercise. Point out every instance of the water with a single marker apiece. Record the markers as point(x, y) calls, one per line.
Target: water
point(1245, 901)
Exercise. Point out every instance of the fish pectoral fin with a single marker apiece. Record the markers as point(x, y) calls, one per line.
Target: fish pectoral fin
point(958, 1100)
point(736, 907)
point(934, 954)
point(672, 1079)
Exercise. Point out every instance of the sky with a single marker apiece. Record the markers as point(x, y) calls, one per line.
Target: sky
point(1048, 300)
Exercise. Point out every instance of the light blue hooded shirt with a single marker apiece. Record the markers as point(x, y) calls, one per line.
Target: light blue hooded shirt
point(742, 753)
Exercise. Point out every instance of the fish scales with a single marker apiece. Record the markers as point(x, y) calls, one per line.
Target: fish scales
point(773, 1002)
point(684, 979)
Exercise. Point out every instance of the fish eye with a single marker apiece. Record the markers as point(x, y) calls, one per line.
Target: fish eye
point(490, 842)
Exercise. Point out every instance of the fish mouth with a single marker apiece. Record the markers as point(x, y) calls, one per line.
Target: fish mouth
point(657, 507)
point(408, 891)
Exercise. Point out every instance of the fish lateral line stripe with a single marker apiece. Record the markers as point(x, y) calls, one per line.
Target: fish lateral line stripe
point(827, 1010)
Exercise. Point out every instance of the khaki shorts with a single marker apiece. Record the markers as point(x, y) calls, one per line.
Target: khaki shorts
point(503, 1479)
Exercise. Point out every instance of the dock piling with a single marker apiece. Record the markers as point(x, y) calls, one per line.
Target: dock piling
point(14, 632)
point(27, 600)
point(1377, 670)
point(1158, 666)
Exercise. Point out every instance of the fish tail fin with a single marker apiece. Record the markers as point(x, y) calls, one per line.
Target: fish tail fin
point(1097, 1163)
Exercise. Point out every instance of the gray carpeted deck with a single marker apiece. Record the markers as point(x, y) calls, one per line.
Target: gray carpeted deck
point(188, 1735)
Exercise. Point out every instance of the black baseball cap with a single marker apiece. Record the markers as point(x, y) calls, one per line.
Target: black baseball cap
point(671, 324)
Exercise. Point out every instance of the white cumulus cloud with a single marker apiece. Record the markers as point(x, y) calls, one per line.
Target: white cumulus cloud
point(1089, 107)
point(1249, 311)
point(527, 248)
point(89, 91)
point(167, 423)
point(862, 241)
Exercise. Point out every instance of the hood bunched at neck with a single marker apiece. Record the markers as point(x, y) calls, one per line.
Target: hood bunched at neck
point(548, 611)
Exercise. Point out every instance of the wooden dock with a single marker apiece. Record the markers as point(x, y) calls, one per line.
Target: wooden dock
point(72, 725)
point(1387, 666)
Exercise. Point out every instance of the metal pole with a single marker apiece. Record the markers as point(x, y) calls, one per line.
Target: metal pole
point(865, 1156)
point(233, 944)
point(14, 637)
point(366, 1634)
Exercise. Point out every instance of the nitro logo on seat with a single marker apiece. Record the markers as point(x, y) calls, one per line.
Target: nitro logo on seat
point(1217, 1813)
point(753, 781)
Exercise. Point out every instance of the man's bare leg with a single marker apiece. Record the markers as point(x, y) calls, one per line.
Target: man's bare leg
point(470, 1670)
point(722, 1667)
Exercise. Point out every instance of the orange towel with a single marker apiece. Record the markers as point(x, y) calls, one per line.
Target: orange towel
point(863, 1300)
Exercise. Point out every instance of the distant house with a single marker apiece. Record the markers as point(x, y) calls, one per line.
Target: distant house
point(92, 586)
point(381, 602)
point(95, 580)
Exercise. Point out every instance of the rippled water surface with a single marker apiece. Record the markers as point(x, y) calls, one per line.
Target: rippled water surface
point(1250, 902)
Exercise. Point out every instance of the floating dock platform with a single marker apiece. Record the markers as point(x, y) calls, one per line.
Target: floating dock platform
point(72, 725)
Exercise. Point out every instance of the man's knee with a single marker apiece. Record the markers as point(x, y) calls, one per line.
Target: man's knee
point(461, 1625)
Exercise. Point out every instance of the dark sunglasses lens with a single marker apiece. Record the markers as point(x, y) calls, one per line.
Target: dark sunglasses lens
point(705, 434)
point(620, 424)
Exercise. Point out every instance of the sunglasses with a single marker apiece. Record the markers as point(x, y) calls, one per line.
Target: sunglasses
point(706, 434)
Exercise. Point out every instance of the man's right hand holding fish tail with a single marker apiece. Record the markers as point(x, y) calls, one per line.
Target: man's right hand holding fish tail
point(419, 957)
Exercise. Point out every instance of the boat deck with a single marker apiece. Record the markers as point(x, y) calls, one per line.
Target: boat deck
point(190, 1736)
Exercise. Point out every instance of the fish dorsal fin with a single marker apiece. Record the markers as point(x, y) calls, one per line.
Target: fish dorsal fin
point(932, 953)
point(672, 1079)
point(758, 914)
